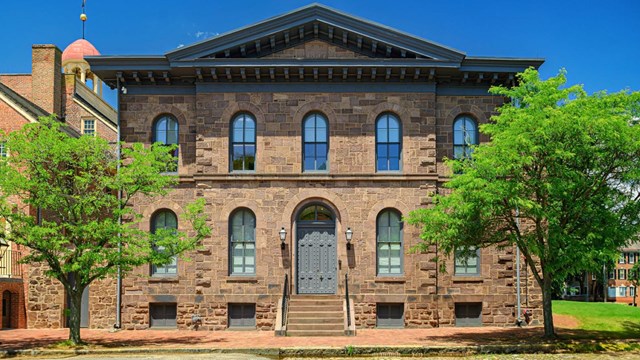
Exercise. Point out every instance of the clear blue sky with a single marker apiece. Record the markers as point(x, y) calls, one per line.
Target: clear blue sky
point(598, 42)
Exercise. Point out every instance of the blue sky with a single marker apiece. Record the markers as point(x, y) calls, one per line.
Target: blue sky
point(597, 42)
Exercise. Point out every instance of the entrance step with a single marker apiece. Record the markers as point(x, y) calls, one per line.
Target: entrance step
point(315, 315)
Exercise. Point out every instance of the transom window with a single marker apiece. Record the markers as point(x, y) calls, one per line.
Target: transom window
point(165, 131)
point(388, 143)
point(466, 262)
point(465, 136)
point(243, 143)
point(316, 143)
point(315, 213)
point(242, 241)
point(89, 127)
point(389, 243)
point(164, 219)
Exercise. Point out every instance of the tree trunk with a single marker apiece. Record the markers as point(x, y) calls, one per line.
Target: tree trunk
point(75, 303)
point(549, 331)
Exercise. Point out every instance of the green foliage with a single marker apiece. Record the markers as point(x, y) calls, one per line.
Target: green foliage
point(76, 182)
point(563, 164)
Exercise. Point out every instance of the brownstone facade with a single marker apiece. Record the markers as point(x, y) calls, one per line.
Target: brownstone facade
point(350, 72)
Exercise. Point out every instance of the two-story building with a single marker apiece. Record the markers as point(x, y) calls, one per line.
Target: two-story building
point(310, 135)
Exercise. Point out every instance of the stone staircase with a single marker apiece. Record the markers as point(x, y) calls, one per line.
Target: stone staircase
point(315, 315)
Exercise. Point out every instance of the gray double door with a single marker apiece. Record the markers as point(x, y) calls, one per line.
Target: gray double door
point(317, 259)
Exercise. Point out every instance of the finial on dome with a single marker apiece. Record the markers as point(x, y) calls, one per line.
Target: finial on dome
point(83, 16)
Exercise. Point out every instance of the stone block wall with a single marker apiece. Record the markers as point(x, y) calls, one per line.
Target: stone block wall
point(279, 188)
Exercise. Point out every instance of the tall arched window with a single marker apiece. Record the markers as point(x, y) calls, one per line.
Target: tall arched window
point(243, 143)
point(388, 143)
point(316, 143)
point(242, 243)
point(389, 242)
point(465, 135)
point(164, 219)
point(165, 131)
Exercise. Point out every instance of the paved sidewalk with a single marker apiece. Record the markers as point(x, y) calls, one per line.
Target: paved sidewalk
point(447, 336)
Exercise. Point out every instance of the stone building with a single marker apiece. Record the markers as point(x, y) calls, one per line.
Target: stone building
point(75, 96)
point(310, 135)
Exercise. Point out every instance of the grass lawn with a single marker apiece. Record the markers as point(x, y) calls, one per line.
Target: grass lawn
point(602, 319)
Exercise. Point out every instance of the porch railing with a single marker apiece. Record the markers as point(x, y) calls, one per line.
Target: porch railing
point(346, 296)
point(285, 299)
point(9, 265)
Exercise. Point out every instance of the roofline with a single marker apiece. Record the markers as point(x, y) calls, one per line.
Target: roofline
point(320, 13)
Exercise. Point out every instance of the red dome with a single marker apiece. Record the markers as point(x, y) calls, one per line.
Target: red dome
point(78, 50)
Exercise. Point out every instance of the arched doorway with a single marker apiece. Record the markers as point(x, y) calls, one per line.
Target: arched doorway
point(316, 250)
point(6, 309)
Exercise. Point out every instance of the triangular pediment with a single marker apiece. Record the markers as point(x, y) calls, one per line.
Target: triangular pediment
point(314, 31)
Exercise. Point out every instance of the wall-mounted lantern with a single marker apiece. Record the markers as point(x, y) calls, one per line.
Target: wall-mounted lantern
point(283, 237)
point(349, 235)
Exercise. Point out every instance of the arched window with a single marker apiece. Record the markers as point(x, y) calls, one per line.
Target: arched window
point(164, 219)
point(165, 131)
point(243, 143)
point(316, 143)
point(242, 243)
point(465, 135)
point(389, 242)
point(388, 143)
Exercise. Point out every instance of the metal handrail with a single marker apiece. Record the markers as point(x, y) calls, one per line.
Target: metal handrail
point(285, 297)
point(9, 263)
point(346, 296)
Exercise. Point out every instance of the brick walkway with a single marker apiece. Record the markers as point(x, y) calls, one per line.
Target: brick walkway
point(29, 339)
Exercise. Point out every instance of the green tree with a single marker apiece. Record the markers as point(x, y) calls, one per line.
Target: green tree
point(559, 179)
point(82, 197)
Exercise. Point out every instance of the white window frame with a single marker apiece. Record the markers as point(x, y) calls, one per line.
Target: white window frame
point(84, 127)
point(622, 291)
point(632, 258)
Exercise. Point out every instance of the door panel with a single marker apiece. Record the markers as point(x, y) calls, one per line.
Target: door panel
point(316, 260)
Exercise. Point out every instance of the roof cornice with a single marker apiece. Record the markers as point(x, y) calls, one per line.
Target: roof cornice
point(317, 13)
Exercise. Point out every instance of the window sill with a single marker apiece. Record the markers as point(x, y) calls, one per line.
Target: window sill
point(242, 279)
point(390, 279)
point(164, 279)
point(476, 278)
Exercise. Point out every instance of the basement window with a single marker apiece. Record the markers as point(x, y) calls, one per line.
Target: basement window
point(162, 315)
point(242, 316)
point(390, 315)
point(468, 314)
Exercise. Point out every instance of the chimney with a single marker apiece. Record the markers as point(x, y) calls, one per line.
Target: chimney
point(46, 77)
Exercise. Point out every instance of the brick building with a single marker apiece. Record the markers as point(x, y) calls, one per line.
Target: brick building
point(75, 96)
point(619, 288)
point(310, 135)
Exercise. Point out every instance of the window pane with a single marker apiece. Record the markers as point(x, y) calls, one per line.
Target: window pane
point(237, 135)
point(394, 164)
point(383, 151)
point(309, 151)
point(321, 151)
point(394, 135)
point(172, 137)
point(382, 164)
point(321, 130)
point(250, 135)
point(382, 131)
